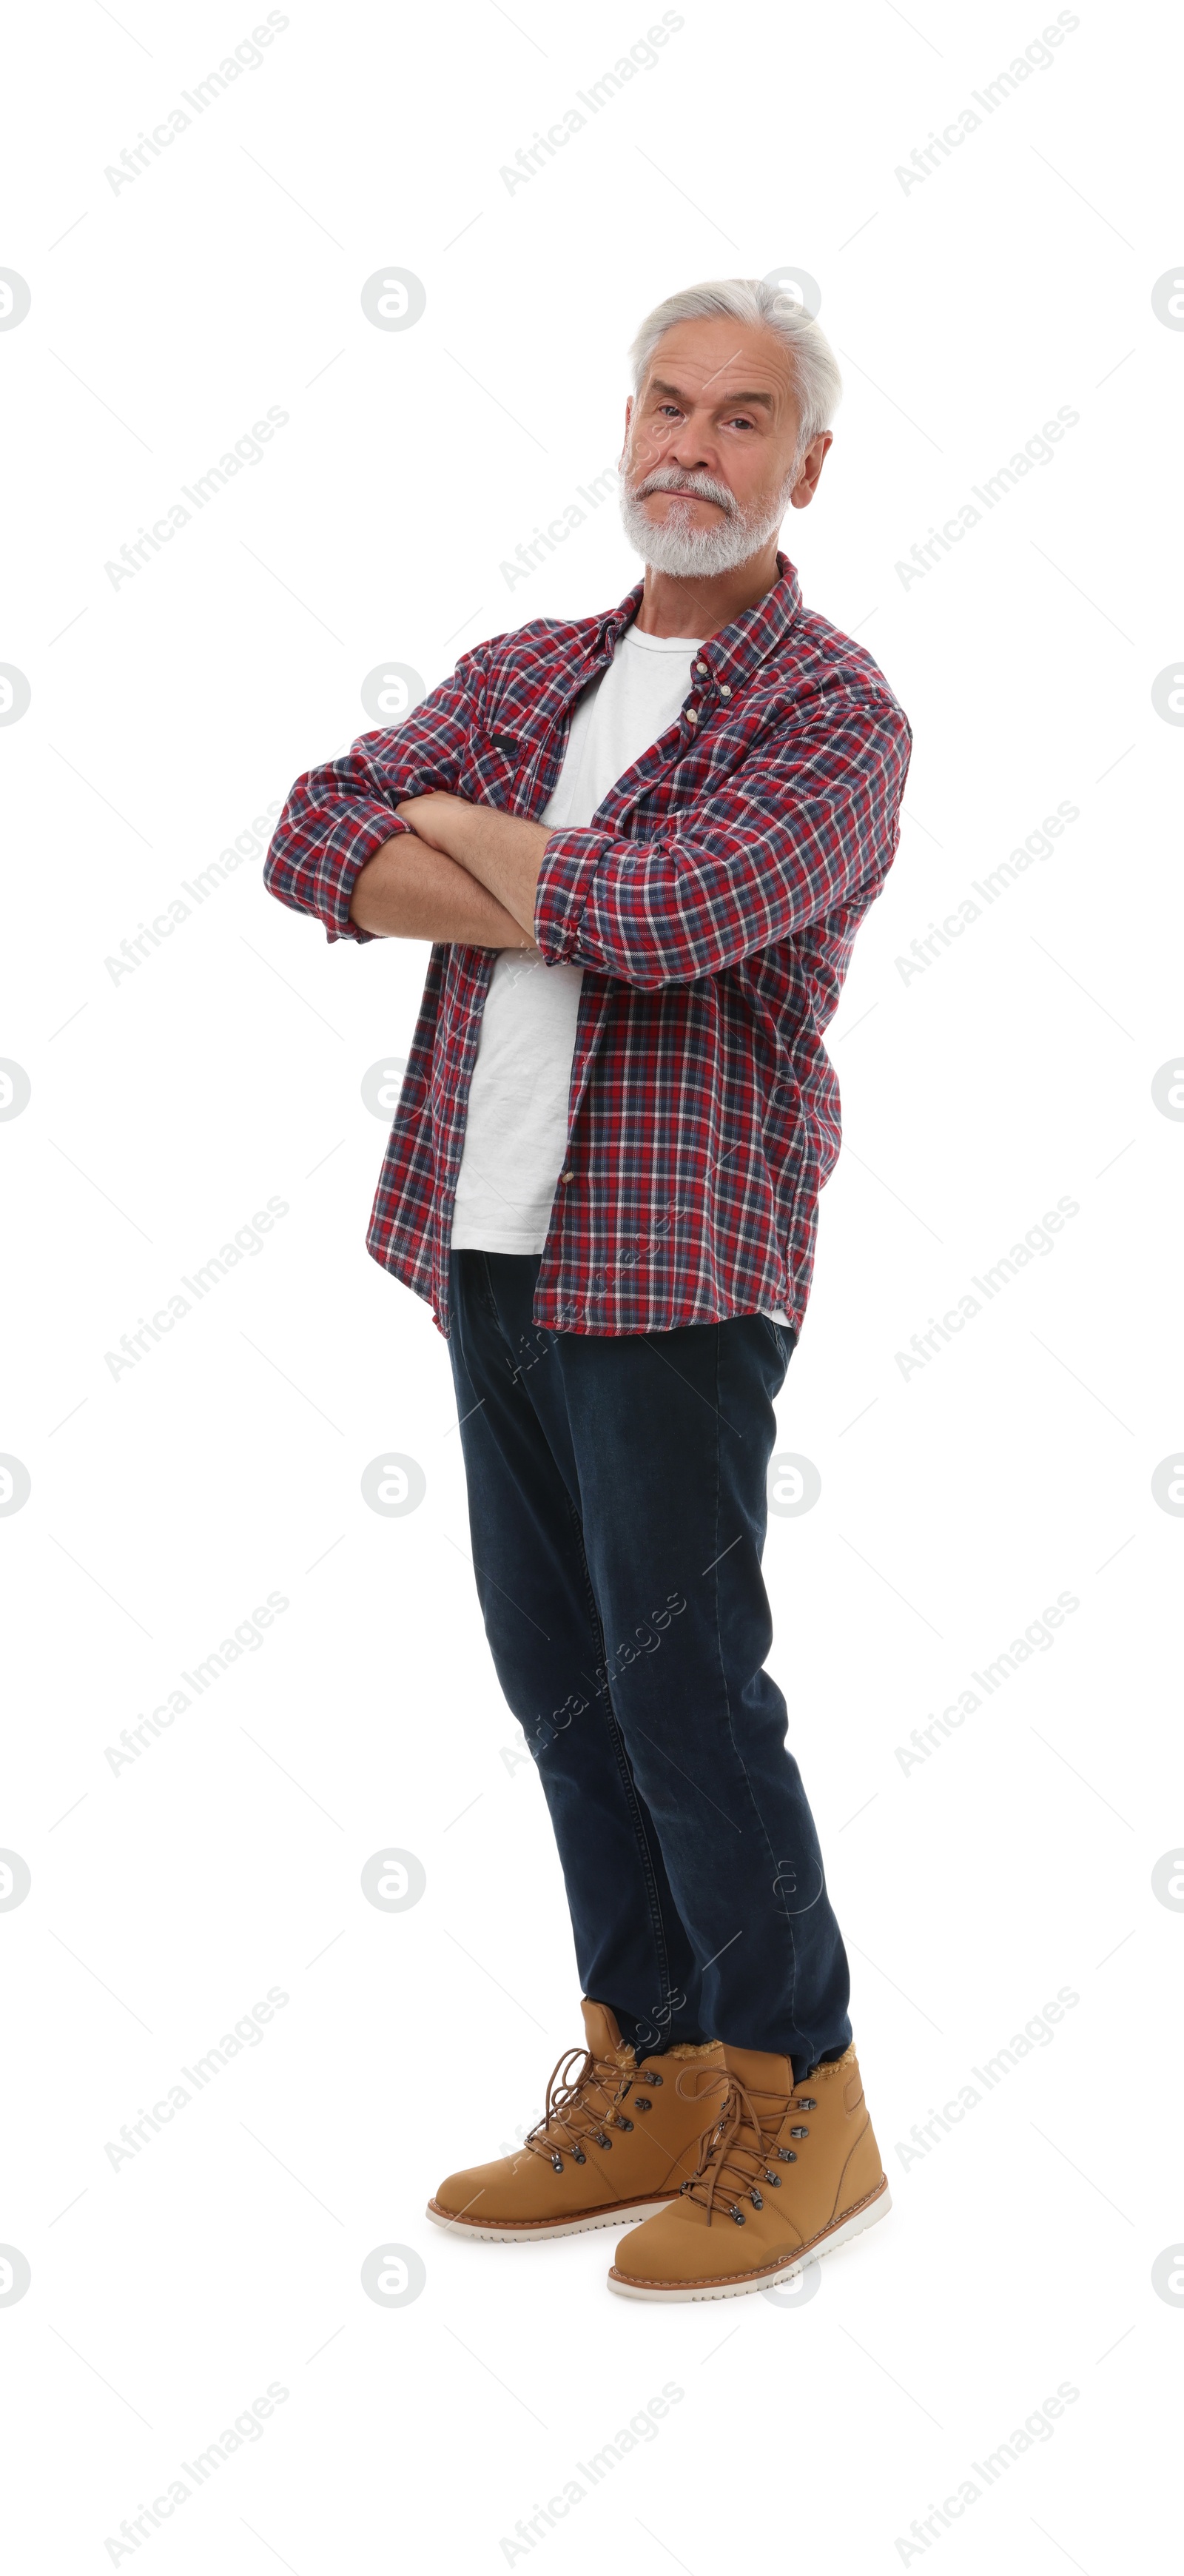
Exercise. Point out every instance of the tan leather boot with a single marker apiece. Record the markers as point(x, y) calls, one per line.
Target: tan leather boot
point(788, 2172)
point(618, 2139)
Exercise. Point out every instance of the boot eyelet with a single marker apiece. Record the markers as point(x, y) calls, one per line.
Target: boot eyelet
point(755, 2198)
point(737, 2214)
point(642, 2104)
point(600, 2139)
point(578, 2156)
point(799, 2133)
point(557, 2162)
point(775, 2179)
point(788, 2155)
point(623, 2124)
point(805, 2102)
point(651, 2079)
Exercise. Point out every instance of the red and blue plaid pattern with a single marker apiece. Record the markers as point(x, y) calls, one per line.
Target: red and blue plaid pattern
point(713, 904)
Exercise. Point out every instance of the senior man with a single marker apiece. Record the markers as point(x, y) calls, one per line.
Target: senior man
point(641, 844)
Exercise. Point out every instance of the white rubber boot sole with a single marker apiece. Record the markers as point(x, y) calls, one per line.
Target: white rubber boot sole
point(771, 2279)
point(631, 2212)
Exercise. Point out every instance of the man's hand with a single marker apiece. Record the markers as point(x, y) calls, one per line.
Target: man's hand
point(427, 817)
point(502, 851)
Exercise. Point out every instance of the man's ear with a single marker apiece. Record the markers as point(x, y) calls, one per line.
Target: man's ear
point(811, 467)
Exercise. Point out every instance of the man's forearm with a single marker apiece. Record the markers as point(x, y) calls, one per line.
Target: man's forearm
point(502, 852)
point(410, 891)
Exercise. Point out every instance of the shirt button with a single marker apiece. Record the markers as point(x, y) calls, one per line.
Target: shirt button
point(724, 690)
point(565, 1177)
point(701, 668)
point(692, 718)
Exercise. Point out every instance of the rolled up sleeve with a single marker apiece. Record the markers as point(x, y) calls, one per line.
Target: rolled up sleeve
point(338, 815)
point(792, 834)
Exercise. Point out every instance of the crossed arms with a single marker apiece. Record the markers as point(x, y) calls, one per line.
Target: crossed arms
point(458, 872)
point(785, 834)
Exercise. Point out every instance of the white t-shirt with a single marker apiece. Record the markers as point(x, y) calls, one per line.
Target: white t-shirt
point(516, 1130)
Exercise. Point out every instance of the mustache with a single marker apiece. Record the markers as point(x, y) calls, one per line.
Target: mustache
point(701, 487)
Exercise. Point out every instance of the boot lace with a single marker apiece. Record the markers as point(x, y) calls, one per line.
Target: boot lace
point(581, 2107)
point(738, 2155)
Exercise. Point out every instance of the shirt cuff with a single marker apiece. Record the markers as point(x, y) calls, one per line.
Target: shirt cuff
point(570, 862)
point(350, 850)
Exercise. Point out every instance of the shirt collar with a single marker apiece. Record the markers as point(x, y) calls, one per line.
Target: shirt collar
point(738, 650)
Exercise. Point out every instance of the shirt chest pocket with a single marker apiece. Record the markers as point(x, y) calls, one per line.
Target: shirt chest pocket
point(491, 765)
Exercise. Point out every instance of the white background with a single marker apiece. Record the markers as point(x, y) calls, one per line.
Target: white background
point(166, 1106)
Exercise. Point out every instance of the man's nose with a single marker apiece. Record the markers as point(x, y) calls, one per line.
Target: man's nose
point(691, 448)
point(680, 443)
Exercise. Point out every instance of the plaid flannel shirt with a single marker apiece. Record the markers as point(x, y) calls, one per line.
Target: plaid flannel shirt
point(712, 902)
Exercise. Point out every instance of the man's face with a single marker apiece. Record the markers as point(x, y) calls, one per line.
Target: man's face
point(710, 463)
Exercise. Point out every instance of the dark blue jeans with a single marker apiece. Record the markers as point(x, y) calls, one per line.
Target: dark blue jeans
point(617, 1503)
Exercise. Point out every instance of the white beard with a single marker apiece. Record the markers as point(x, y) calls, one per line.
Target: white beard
point(685, 550)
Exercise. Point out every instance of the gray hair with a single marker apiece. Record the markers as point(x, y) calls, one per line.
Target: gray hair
point(817, 381)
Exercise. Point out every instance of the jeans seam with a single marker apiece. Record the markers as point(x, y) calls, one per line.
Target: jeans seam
point(783, 1348)
point(621, 1750)
point(486, 1292)
point(752, 1800)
